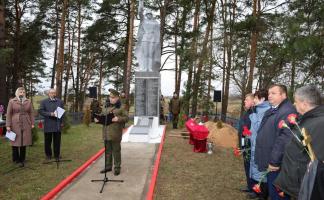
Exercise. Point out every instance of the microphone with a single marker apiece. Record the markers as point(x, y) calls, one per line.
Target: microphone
point(21, 97)
point(107, 104)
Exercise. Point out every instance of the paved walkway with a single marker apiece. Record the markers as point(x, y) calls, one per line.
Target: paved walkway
point(137, 164)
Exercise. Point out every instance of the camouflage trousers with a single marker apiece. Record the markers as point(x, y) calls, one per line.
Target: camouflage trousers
point(112, 152)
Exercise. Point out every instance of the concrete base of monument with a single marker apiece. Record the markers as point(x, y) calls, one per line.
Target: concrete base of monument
point(146, 129)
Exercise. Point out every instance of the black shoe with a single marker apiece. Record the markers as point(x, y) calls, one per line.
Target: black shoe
point(105, 170)
point(252, 195)
point(47, 159)
point(245, 190)
point(116, 172)
point(16, 161)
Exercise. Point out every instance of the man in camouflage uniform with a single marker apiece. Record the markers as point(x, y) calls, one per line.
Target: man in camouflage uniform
point(112, 134)
point(174, 108)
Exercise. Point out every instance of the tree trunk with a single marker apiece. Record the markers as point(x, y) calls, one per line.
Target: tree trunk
point(77, 81)
point(176, 55)
point(56, 42)
point(210, 63)
point(162, 20)
point(193, 53)
point(84, 79)
point(182, 47)
point(292, 79)
point(69, 64)
point(202, 57)
point(59, 69)
point(128, 69)
point(100, 76)
point(225, 74)
point(3, 66)
point(254, 40)
point(17, 72)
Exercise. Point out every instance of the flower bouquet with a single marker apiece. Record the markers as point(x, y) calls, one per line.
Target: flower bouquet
point(246, 132)
point(302, 137)
point(238, 152)
point(257, 187)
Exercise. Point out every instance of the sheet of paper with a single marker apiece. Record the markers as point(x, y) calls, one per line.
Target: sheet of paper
point(59, 112)
point(11, 135)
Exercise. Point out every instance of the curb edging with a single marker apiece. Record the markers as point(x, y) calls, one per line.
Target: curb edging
point(150, 192)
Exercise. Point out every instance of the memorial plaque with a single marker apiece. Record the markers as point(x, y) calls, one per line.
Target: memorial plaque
point(147, 86)
point(140, 97)
point(153, 97)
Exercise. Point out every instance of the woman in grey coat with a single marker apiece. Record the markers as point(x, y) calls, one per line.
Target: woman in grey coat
point(261, 105)
point(20, 120)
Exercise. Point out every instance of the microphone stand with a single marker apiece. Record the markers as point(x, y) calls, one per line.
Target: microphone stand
point(58, 159)
point(105, 179)
point(21, 125)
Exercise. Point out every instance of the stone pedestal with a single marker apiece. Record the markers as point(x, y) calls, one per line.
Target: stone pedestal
point(147, 108)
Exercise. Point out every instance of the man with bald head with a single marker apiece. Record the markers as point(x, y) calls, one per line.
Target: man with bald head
point(52, 124)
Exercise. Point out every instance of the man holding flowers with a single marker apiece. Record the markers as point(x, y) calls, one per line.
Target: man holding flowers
point(296, 158)
point(244, 141)
point(271, 140)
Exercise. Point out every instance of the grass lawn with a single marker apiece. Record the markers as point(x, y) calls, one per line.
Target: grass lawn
point(184, 174)
point(79, 145)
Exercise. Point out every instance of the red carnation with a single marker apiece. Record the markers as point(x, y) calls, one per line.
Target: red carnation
point(292, 118)
point(280, 192)
point(40, 124)
point(246, 131)
point(282, 124)
point(184, 117)
point(237, 152)
point(256, 188)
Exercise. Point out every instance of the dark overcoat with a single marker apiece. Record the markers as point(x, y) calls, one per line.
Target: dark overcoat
point(295, 158)
point(20, 115)
point(271, 140)
point(51, 123)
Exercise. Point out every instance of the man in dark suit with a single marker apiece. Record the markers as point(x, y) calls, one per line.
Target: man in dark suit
point(271, 140)
point(52, 124)
point(244, 142)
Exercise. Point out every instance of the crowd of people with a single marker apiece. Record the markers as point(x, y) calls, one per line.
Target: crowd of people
point(282, 143)
point(272, 137)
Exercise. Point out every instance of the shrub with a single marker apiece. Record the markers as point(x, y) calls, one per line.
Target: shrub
point(66, 123)
point(87, 117)
point(219, 124)
point(182, 119)
point(35, 137)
